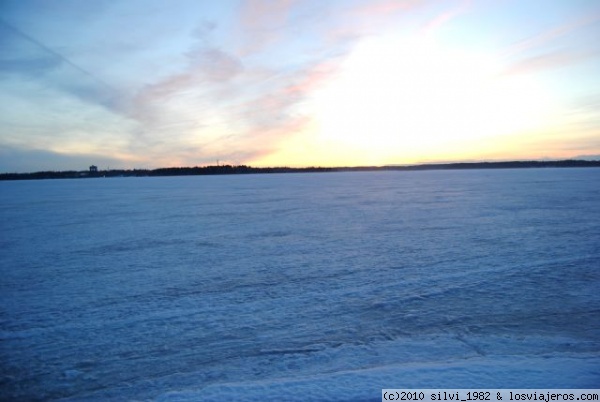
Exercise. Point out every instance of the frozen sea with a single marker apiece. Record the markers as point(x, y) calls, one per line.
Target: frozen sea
point(324, 286)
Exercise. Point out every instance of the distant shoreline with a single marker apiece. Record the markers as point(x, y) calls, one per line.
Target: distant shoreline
point(243, 169)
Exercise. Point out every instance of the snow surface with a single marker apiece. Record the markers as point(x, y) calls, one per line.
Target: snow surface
point(325, 286)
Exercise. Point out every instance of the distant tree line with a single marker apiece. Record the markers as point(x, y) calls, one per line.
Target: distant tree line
point(171, 171)
point(497, 165)
point(243, 169)
point(229, 169)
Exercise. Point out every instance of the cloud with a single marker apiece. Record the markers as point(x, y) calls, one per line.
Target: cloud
point(19, 55)
point(21, 160)
point(556, 47)
point(215, 65)
point(181, 90)
point(588, 157)
point(549, 60)
point(227, 102)
point(386, 7)
point(40, 61)
point(206, 66)
point(446, 17)
point(580, 146)
point(183, 96)
point(376, 18)
point(551, 35)
point(204, 30)
point(29, 66)
point(262, 23)
point(53, 54)
point(218, 104)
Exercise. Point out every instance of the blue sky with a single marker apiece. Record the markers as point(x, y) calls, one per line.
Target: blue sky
point(144, 84)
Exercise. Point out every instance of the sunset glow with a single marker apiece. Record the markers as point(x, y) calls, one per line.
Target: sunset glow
point(415, 100)
point(297, 83)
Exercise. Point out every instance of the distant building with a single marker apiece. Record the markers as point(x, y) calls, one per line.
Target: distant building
point(93, 169)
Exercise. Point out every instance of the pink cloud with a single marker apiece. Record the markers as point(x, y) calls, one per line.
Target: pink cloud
point(260, 142)
point(259, 122)
point(215, 65)
point(206, 67)
point(272, 117)
point(386, 7)
point(549, 60)
point(314, 77)
point(260, 14)
point(446, 17)
point(260, 108)
point(533, 54)
point(366, 18)
point(377, 16)
point(262, 23)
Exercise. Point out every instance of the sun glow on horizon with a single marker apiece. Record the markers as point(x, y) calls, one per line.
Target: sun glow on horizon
point(401, 100)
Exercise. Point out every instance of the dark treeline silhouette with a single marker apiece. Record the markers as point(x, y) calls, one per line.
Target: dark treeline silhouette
point(243, 169)
point(228, 169)
point(171, 171)
point(488, 165)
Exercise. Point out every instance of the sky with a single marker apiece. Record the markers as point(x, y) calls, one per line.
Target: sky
point(148, 83)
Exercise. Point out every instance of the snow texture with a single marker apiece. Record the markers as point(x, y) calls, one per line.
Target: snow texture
point(298, 287)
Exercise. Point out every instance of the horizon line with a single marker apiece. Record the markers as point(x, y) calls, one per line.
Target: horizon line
point(93, 170)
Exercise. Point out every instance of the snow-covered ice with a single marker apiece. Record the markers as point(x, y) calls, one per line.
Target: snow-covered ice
point(325, 286)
